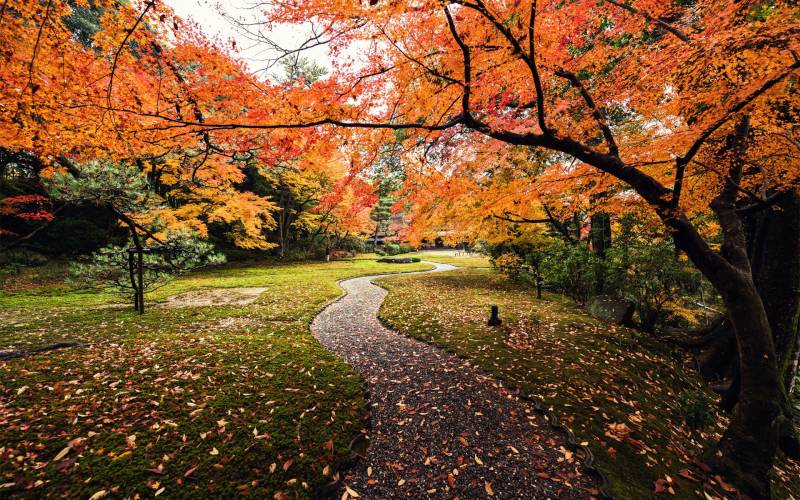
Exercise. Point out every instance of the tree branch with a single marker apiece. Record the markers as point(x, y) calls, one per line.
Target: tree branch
point(121, 47)
point(682, 161)
point(734, 243)
point(596, 113)
point(537, 81)
point(480, 7)
point(36, 45)
point(467, 62)
point(675, 31)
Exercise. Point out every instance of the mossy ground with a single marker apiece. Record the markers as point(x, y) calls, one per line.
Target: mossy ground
point(182, 401)
point(623, 393)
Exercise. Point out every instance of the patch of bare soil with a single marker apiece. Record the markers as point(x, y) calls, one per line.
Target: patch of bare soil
point(215, 297)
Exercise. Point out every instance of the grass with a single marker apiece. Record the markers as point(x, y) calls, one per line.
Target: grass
point(449, 257)
point(182, 402)
point(623, 393)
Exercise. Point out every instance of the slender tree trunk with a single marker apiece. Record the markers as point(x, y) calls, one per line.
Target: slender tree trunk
point(140, 275)
point(139, 292)
point(281, 239)
point(132, 274)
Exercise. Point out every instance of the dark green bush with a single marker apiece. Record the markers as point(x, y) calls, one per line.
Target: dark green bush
point(648, 272)
point(573, 270)
point(22, 258)
point(698, 412)
point(392, 249)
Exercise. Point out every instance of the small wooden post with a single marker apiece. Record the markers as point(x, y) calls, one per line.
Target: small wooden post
point(494, 320)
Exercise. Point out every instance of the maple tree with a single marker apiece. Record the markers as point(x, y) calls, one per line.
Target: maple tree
point(92, 79)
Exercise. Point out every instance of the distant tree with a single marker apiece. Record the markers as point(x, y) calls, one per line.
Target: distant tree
point(301, 70)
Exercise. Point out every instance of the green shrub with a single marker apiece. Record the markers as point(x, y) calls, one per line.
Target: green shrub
point(573, 270)
point(509, 264)
point(393, 249)
point(698, 412)
point(648, 272)
point(22, 258)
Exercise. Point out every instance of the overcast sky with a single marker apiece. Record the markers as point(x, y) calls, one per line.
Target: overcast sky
point(208, 14)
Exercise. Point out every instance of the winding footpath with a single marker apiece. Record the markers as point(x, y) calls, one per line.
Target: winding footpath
point(439, 427)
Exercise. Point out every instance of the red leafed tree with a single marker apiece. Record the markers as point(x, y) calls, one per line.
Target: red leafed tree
point(19, 213)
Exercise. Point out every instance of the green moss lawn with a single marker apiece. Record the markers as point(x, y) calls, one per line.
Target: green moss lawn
point(622, 393)
point(179, 402)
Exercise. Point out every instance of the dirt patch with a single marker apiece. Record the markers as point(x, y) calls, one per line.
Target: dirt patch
point(215, 297)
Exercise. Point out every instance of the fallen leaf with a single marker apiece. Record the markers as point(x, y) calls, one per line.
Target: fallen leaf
point(62, 454)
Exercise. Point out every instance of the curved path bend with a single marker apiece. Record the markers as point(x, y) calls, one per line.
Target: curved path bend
point(439, 427)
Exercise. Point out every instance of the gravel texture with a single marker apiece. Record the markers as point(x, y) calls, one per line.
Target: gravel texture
point(439, 427)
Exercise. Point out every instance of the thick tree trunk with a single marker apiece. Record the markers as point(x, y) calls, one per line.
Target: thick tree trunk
point(774, 237)
point(749, 443)
point(746, 452)
point(600, 233)
point(774, 250)
point(600, 238)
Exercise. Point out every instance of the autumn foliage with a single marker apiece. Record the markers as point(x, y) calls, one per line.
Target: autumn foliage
point(514, 112)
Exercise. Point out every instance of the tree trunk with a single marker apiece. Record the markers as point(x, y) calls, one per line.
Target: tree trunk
point(775, 257)
point(132, 273)
point(600, 233)
point(139, 288)
point(749, 443)
point(746, 452)
point(774, 251)
point(140, 277)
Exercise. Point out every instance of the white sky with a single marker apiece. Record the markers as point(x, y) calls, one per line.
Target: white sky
point(208, 15)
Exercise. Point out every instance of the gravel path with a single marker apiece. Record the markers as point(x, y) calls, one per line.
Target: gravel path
point(440, 428)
